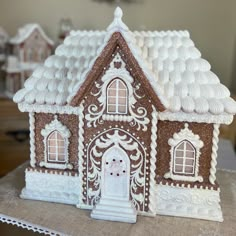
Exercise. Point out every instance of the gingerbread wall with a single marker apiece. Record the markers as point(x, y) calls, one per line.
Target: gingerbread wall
point(71, 122)
point(91, 134)
point(166, 130)
point(93, 131)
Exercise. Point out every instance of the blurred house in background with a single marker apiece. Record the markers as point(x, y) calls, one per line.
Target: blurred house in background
point(28, 49)
point(3, 42)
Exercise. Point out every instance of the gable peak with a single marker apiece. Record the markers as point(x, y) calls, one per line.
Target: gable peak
point(118, 13)
point(117, 23)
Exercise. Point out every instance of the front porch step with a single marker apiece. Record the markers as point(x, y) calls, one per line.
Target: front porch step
point(115, 210)
point(115, 202)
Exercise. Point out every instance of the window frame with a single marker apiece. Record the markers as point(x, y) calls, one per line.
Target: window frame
point(56, 148)
point(56, 126)
point(117, 105)
point(184, 157)
point(185, 135)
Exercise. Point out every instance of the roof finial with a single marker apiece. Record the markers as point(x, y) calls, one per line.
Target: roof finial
point(118, 13)
point(117, 23)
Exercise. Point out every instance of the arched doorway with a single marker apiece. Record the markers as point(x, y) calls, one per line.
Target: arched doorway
point(115, 174)
point(115, 203)
point(100, 150)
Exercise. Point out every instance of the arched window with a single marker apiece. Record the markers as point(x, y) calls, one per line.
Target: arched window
point(56, 147)
point(56, 144)
point(184, 158)
point(117, 97)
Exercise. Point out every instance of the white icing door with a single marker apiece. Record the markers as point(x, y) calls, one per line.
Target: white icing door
point(115, 174)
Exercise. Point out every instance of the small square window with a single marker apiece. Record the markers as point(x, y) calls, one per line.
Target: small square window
point(179, 168)
point(122, 93)
point(179, 161)
point(111, 108)
point(112, 100)
point(188, 170)
point(122, 109)
point(179, 153)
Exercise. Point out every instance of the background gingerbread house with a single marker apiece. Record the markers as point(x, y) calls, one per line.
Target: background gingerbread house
point(126, 123)
point(29, 48)
point(3, 41)
point(3, 44)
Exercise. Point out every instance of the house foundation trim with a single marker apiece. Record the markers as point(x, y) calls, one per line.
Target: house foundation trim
point(51, 187)
point(191, 203)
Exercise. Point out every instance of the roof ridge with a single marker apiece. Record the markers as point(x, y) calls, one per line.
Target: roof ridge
point(24, 32)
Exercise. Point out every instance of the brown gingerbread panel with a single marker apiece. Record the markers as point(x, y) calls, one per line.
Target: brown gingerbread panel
point(71, 122)
point(115, 43)
point(92, 130)
point(166, 130)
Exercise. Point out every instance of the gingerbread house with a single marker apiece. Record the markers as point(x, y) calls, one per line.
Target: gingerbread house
point(28, 49)
point(125, 123)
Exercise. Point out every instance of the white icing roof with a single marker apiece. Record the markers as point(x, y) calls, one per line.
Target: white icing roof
point(25, 31)
point(182, 80)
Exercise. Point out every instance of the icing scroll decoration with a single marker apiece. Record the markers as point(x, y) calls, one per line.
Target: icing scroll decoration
point(122, 139)
point(137, 115)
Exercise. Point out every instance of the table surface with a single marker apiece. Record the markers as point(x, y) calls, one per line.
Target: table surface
point(68, 220)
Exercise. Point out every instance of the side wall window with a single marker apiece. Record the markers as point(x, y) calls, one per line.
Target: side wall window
point(117, 94)
point(56, 151)
point(56, 144)
point(185, 154)
point(184, 158)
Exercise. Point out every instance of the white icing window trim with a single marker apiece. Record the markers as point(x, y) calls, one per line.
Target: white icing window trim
point(56, 125)
point(185, 135)
point(115, 117)
point(119, 83)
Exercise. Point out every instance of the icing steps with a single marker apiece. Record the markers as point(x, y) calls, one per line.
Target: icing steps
point(115, 210)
